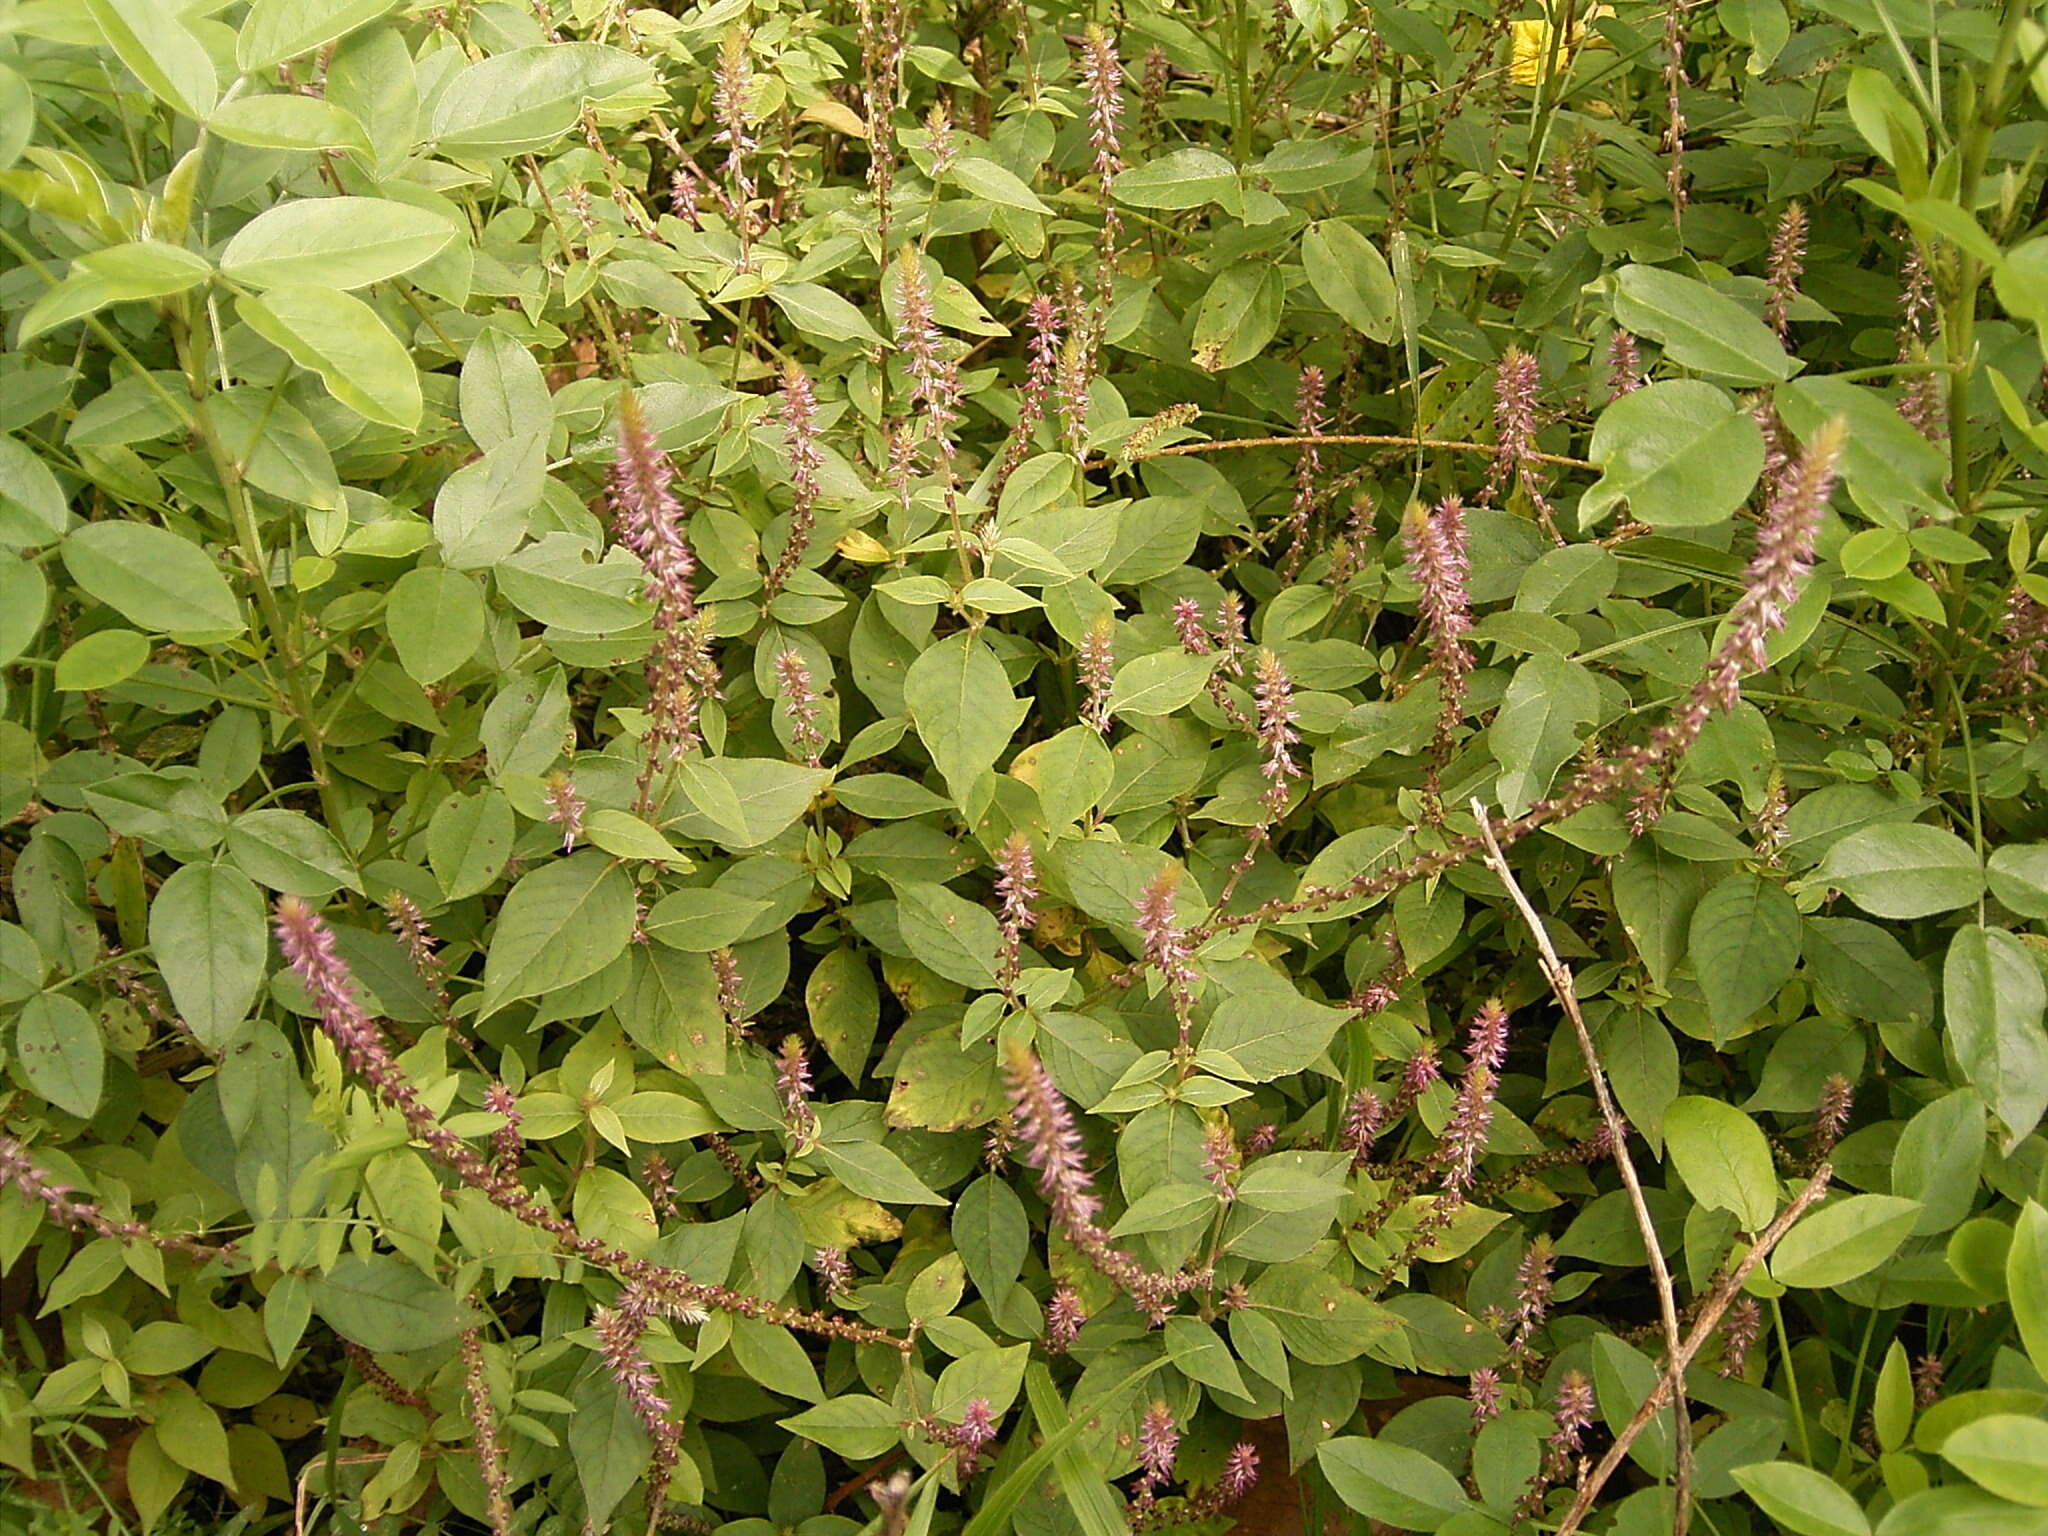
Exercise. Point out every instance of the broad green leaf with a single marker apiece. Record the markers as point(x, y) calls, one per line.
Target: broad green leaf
point(2026, 1279)
point(60, 1051)
point(2019, 878)
point(817, 311)
point(152, 578)
point(871, 1169)
point(1350, 275)
point(503, 393)
point(566, 920)
point(993, 183)
point(1271, 1033)
point(468, 841)
point(857, 1426)
point(1723, 1157)
point(2005, 1454)
point(1903, 871)
point(481, 511)
point(1992, 1001)
point(206, 930)
point(1393, 1484)
point(290, 852)
point(1238, 315)
point(1843, 1240)
point(386, 1305)
point(1537, 729)
point(32, 504)
point(24, 601)
point(287, 121)
point(1655, 894)
point(436, 620)
point(948, 934)
point(527, 98)
point(1744, 945)
point(276, 30)
point(1680, 453)
point(161, 51)
point(552, 582)
point(1699, 328)
point(959, 699)
point(100, 660)
point(340, 338)
point(1801, 1500)
point(334, 242)
point(844, 1008)
point(742, 802)
point(1181, 178)
point(1159, 683)
point(608, 1444)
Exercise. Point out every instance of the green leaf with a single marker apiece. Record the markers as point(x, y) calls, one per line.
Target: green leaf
point(993, 183)
point(1181, 178)
point(553, 582)
point(2026, 1280)
point(386, 1305)
point(1699, 328)
point(1744, 946)
point(2005, 1454)
point(871, 1169)
point(503, 394)
point(844, 1008)
point(1350, 275)
point(276, 30)
point(1655, 895)
point(1723, 1158)
point(608, 1444)
point(1536, 731)
point(563, 922)
point(525, 99)
point(100, 661)
point(1680, 453)
point(1271, 1033)
point(468, 841)
point(1843, 1240)
point(152, 578)
point(959, 699)
point(2019, 878)
point(480, 513)
point(32, 504)
point(856, 1426)
point(1238, 315)
point(290, 852)
point(743, 802)
point(24, 602)
point(287, 121)
point(1159, 683)
point(1801, 1500)
point(206, 930)
point(436, 620)
point(160, 51)
point(61, 1054)
point(948, 934)
point(1903, 871)
point(340, 338)
point(1992, 999)
point(335, 242)
point(1393, 1484)
point(816, 310)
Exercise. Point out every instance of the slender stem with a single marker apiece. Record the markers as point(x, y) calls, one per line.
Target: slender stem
point(1559, 975)
point(1336, 439)
point(1709, 1318)
point(1792, 1382)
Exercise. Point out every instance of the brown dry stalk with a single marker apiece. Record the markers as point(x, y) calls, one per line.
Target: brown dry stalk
point(1718, 1302)
point(1338, 439)
point(1559, 975)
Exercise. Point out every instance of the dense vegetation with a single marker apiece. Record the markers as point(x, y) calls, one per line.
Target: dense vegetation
point(873, 768)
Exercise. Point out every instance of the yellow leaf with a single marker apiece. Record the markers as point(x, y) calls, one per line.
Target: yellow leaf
point(837, 115)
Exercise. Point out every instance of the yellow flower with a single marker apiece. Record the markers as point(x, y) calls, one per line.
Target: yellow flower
point(1533, 42)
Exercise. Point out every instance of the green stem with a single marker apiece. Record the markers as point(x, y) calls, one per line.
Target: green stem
point(1792, 1382)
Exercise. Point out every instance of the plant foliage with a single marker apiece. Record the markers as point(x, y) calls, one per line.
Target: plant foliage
point(996, 768)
